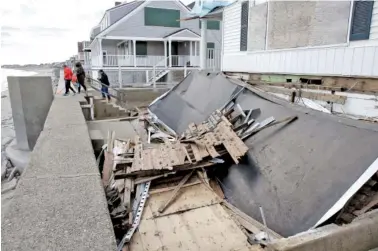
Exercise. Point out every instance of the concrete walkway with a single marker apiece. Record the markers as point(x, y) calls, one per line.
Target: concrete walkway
point(60, 203)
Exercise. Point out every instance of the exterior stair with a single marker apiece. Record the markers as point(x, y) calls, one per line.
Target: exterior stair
point(107, 110)
point(159, 75)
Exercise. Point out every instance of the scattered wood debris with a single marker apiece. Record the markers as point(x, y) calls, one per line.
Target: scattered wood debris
point(364, 200)
point(169, 163)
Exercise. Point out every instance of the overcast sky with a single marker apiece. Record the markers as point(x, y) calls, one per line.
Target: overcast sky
point(40, 31)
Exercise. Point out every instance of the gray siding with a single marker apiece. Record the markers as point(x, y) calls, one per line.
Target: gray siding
point(118, 12)
point(134, 26)
point(300, 24)
point(110, 46)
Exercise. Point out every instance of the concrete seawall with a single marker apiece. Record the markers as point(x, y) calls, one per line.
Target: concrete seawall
point(60, 203)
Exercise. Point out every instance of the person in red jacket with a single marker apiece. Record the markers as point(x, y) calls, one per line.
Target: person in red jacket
point(67, 79)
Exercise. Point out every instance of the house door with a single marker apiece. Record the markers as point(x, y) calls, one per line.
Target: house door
point(174, 53)
point(104, 57)
point(174, 48)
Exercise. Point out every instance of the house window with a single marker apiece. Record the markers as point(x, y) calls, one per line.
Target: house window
point(210, 45)
point(361, 20)
point(141, 48)
point(210, 51)
point(244, 27)
point(211, 25)
point(161, 17)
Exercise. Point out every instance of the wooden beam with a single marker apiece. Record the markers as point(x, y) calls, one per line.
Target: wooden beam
point(305, 94)
point(174, 193)
point(127, 194)
point(166, 189)
point(252, 221)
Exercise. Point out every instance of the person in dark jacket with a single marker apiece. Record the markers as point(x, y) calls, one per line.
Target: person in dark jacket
point(103, 78)
point(80, 74)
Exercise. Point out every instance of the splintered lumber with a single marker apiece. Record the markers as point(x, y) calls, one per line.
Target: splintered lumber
point(174, 193)
point(127, 194)
point(306, 94)
point(166, 189)
point(217, 188)
point(107, 168)
point(256, 225)
point(146, 179)
point(233, 144)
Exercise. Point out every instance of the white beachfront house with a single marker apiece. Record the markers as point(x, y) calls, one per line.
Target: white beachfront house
point(145, 41)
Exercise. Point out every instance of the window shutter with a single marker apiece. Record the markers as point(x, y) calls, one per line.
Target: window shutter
point(361, 19)
point(244, 26)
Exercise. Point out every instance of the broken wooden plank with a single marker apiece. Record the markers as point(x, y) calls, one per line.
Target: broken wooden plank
point(174, 193)
point(127, 194)
point(306, 94)
point(252, 221)
point(166, 189)
point(216, 188)
point(146, 179)
point(371, 204)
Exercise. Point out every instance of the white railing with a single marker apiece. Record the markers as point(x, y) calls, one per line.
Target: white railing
point(148, 60)
point(155, 61)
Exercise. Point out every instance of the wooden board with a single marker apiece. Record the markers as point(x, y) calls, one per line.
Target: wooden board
point(306, 94)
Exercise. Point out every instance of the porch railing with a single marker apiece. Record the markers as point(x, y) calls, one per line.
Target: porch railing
point(185, 60)
point(213, 60)
point(148, 60)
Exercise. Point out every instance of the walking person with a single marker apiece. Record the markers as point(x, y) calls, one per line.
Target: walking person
point(103, 78)
point(80, 74)
point(67, 79)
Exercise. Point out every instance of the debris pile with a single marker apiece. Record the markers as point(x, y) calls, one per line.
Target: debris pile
point(132, 167)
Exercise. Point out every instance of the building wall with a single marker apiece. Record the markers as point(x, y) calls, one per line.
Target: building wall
point(305, 52)
point(231, 28)
point(257, 27)
point(307, 23)
point(374, 22)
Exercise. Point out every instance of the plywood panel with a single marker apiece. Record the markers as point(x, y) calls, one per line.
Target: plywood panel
point(206, 228)
point(187, 198)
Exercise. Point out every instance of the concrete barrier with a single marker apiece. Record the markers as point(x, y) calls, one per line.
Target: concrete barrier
point(60, 203)
point(31, 99)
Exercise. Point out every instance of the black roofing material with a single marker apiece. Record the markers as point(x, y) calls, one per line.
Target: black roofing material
point(193, 100)
point(296, 172)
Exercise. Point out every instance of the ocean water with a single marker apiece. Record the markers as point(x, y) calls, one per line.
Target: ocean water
point(7, 128)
